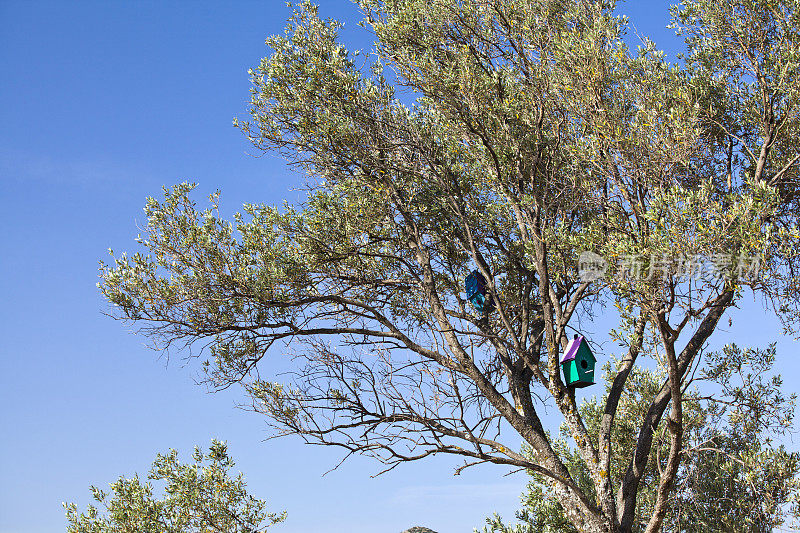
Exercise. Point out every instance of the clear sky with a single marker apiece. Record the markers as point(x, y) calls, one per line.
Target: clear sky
point(101, 104)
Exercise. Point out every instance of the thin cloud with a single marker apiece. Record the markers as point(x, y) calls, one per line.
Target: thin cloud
point(29, 167)
point(478, 492)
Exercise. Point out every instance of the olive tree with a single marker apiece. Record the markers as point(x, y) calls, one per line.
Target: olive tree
point(535, 134)
point(733, 475)
point(201, 496)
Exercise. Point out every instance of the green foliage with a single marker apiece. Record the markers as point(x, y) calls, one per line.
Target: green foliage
point(734, 477)
point(198, 497)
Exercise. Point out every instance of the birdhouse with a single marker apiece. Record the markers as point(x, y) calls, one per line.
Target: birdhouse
point(577, 363)
point(475, 285)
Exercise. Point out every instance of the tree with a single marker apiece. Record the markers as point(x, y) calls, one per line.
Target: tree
point(732, 477)
point(200, 496)
point(536, 135)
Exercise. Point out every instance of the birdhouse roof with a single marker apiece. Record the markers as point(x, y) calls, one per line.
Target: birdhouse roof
point(572, 349)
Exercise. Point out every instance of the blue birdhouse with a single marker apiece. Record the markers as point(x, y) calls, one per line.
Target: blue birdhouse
point(577, 363)
point(475, 285)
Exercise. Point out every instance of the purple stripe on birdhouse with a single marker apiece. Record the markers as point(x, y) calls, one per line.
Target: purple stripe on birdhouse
point(572, 349)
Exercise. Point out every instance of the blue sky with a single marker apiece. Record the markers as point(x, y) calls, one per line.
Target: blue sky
point(103, 103)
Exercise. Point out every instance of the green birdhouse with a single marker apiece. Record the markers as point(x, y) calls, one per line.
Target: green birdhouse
point(577, 363)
